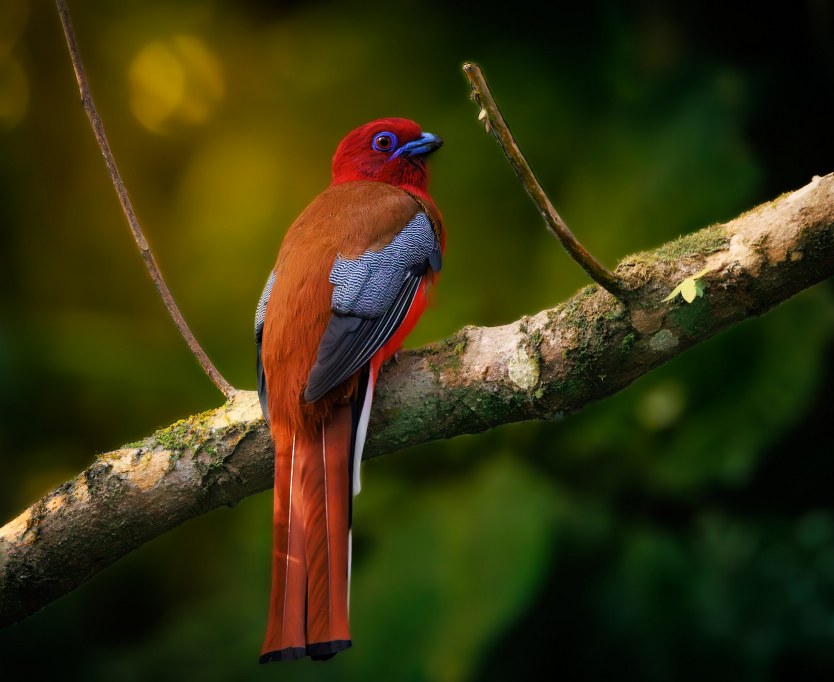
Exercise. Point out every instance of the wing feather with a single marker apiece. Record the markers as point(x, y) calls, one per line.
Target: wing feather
point(349, 342)
point(372, 294)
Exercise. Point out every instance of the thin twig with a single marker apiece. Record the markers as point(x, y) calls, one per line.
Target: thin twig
point(98, 130)
point(494, 122)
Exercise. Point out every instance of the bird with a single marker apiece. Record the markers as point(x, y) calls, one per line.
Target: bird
point(354, 273)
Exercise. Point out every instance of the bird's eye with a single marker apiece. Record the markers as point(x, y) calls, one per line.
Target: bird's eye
point(384, 142)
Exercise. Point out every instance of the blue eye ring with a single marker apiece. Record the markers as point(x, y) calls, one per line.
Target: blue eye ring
point(384, 142)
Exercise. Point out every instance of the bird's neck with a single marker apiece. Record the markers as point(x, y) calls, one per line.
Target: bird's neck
point(418, 190)
point(409, 176)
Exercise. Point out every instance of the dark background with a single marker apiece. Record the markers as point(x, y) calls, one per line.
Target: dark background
point(680, 530)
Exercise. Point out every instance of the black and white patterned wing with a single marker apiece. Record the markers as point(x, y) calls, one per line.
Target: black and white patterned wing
point(371, 297)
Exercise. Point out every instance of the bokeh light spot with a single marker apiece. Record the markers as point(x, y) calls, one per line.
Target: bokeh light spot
point(157, 82)
point(661, 406)
point(204, 79)
point(174, 81)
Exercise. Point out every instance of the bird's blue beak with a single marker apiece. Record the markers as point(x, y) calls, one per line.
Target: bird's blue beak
point(422, 146)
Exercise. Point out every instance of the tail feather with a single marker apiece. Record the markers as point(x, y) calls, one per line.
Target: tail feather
point(361, 431)
point(285, 637)
point(308, 607)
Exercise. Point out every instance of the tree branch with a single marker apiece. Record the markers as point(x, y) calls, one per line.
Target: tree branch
point(494, 122)
point(127, 207)
point(540, 367)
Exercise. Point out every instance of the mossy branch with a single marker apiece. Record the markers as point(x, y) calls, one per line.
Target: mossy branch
point(540, 367)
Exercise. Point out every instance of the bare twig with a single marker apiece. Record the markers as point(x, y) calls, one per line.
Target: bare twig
point(98, 130)
point(540, 367)
point(494, 122)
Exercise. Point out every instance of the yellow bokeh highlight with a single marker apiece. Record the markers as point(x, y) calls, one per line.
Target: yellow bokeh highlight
point(157, 85)
point(178, 80)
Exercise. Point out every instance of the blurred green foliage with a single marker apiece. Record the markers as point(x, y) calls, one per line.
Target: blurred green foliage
point(680, 530)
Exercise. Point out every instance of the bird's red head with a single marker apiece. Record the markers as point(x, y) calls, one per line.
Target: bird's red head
point(391, 150)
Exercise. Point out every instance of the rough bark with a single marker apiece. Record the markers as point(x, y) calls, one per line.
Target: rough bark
point(540, 367)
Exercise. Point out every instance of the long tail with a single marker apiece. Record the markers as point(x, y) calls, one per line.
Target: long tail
point(308, 611)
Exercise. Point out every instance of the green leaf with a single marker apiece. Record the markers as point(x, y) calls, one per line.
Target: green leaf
point(690, 289)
